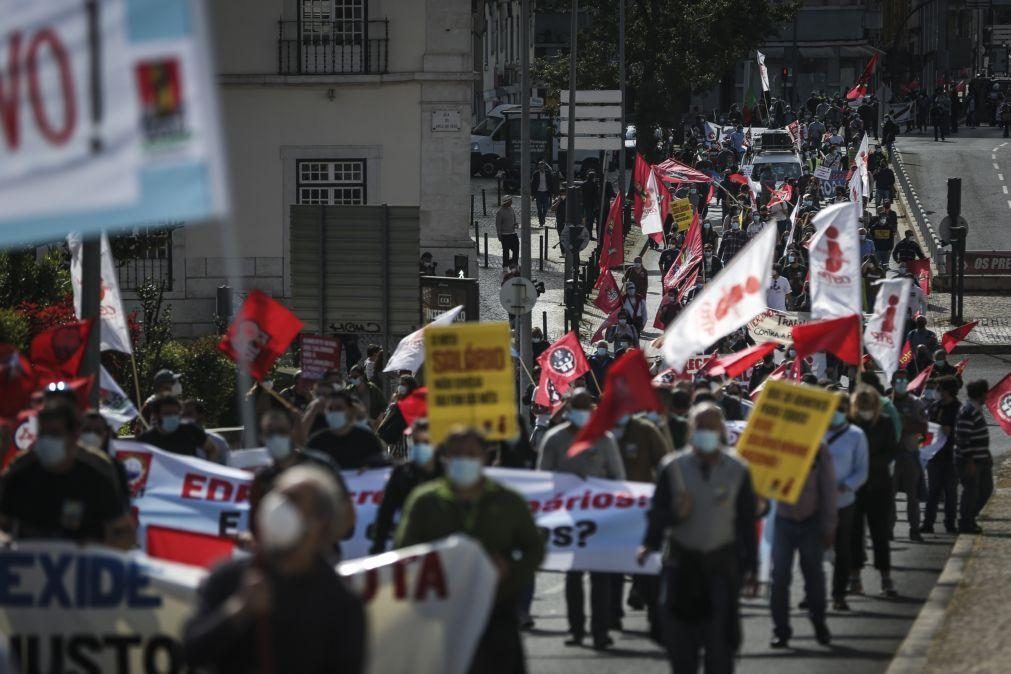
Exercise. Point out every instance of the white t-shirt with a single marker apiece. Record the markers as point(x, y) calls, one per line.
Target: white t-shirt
point(775, 293)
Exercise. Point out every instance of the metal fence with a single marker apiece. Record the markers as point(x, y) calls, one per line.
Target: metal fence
point(149, 258)
point(316, 47)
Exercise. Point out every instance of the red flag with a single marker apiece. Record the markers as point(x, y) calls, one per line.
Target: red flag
point(612, 247)
point(608, 296)
point(611, 319)
point(906, 357)
point(187, 547)
point(60, 350)
point(779, 373)
point(920, 269)
point(260, 333)
point(414, 405)
point(951, 338)
point(17, 381)
point(733, 364)
point(840, 336)
point(561, 363)
point(664, 205)
point(781, 196)
point(689, 280)
point(960, 366)
point(739, 178)
point(640, 175)
point(691, 252)
point(920, 379)
point(546, 394)
point(860, 88)
point(627, 389)
point(998, 400)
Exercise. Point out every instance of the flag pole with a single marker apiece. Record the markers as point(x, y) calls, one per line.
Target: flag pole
point(136, 390)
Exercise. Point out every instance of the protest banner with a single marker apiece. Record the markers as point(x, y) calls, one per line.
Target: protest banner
point(775, 326)
point(681, 209)
point(782, 436)
point(319, 354)
point(67, 608)
point(110, 117)
point(589, 525)
point(469, 372)
point(823, 173)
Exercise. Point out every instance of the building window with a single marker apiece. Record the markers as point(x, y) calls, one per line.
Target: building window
point(144, 255)
point(330, 182)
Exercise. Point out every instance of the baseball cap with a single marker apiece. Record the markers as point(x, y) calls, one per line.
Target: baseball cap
point(166, 377)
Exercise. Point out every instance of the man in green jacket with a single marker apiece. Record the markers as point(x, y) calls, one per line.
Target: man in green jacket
point(467, 502)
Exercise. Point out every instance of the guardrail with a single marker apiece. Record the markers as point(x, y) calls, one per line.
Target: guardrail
point(914, 208)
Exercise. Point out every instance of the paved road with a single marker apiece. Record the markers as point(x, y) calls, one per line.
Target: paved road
point(982, 158)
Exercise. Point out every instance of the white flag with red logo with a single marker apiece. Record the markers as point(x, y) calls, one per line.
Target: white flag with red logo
point(115, 332)
point(883, 338)
point(652, 219)
point(727, 303)
point(836, 284)
point(856, 192)
point(863, 154)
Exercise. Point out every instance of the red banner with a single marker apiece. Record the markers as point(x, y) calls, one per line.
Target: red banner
point(608, 295)
point(920, 269)
point(319, 354)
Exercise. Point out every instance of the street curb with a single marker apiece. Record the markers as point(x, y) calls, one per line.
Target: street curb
point(984, 349)
point(911, 658)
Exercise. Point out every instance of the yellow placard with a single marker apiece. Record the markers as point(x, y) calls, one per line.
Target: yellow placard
point(470, 379)
point(782, 437)
point(681, 211)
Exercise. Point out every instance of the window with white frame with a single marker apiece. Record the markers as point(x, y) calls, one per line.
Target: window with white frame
point(330, 182)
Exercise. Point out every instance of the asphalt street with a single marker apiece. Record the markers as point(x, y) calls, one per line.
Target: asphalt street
point(864, 639)
point(982, 158)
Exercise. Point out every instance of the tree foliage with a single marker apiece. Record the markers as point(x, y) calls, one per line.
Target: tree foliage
point(672, 49)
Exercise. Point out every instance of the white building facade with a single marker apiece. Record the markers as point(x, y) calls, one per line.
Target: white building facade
point(329, 102)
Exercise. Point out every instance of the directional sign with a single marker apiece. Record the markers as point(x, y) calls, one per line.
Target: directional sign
point(944, 229)
point(518, 296)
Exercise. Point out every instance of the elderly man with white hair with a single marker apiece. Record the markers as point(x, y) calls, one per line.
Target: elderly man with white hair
point(284, 609)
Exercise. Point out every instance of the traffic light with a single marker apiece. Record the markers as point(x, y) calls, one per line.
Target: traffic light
point(786, 73)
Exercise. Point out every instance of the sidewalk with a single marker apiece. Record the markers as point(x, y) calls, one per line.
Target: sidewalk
point(993, 334)
point(964, 625)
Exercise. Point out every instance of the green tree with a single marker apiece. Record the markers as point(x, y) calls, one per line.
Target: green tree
point(28, 277)
point(672, 48)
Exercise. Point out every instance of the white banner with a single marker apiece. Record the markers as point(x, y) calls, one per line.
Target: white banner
point(835, 263)
point(410, 352)
point(114, 404)
point(857, 193)
point(650, 221)
point(776, 326)
point(99, 610)
point(115, 334)
point(589, 525)
point(863, 155)
point(726, 303)
point(883, 337)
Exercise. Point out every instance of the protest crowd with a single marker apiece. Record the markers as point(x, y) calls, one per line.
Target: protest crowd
point(795, 390)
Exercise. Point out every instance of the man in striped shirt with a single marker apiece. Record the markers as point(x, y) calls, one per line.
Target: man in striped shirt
point(972, 457)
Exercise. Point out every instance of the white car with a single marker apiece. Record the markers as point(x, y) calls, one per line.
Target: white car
point(780, 164)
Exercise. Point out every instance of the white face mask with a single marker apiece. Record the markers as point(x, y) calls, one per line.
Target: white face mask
point(866, 415)
point(177, 389)
point(91, 440)
point(50, 449)
point(279, 523)
point(356, 381)
point(464, 472)
point(578, 417)
point(422, 453)
point(278, 446)
point(336, 419)
point(601, 351)
point(401, 390)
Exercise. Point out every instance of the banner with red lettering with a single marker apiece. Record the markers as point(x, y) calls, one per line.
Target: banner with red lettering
point(589, 525)
point(100, 610)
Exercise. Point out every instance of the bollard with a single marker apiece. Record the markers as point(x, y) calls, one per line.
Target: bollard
point(484, 202)
point(486, 250)
point(544, 324)
point(540, 262)
point(498, 190)
point(472, 206)
point(477, 236)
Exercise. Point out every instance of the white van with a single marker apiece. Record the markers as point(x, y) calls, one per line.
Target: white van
point(781, 164)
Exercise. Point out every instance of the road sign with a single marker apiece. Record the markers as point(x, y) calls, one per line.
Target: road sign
point(944, 229)
point(582, 238)
point(518, 296)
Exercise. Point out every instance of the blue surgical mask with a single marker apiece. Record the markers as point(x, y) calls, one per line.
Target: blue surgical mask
point(601, 351)
point(706, 441)
point(901, 386)
point(939, 363)
point(336, 419)
point(464, 472)
point(278, 446)
point(930, 394)
point(839, 418)
point(578, 417)
point(51, 450)
point(170, 422)
point(421, 453)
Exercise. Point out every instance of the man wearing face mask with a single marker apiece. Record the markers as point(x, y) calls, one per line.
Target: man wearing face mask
point(623, 332)
point(62, 490)
point(166, 382)
point(351, 446)
point(422, 466)
point(634, 307)
point(732, 243)
point(942, 368)
point(847, 445)
point(368, 393)
point(942, 481)
point(711, 265)
point(670, 309)
point(920, 335)
point(537, 342)
point(284, 609)
point(601, 460)
point(468, 502)
point(705, 506)
point(169, 433)
point(908, 472)
point(600, 360)
point(96, 434)
point(638, 277)
point(775, 292)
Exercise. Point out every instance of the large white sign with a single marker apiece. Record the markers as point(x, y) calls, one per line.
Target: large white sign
point(776, 326)
point(99, 610)
point(590, 525)
point(135, 142)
